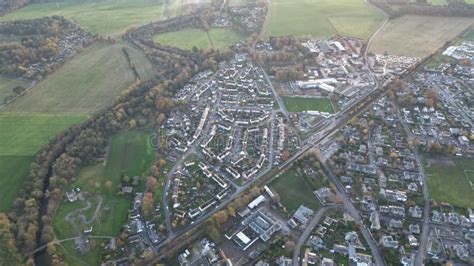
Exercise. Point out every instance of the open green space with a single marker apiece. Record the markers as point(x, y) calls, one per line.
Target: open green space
point(418, 36)
point(220, 38)
point(448, 181)
point(21, 137)
point(301, 104)
point(87, 83)
point(294, 190)
point(26, 133)
point(105, 17)
point(7, 85)
point(13, 172)
point(323, 18)
point(129, 155)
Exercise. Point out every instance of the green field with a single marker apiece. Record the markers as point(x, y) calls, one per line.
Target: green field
point(417, 36)
point(105, 17)
point(87, 83)
point(13, 172)
point(21, 137)
point(129, 155)
point(7, 85)
point(323, 18)
point(220, 38)
point(448, 181)
point(294, 190)
point(301, 104)
point(25, 133)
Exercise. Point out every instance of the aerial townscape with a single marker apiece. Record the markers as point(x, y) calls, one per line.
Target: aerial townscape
point(237, 132)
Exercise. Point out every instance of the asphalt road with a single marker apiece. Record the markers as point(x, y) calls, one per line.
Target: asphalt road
point(307, 231)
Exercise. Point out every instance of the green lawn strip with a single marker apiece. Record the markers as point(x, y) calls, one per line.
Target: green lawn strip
point(88, 82)
point(129, 155)
point(7, 84)
point(26, 133)
point(449, 183)
point(323, 18)
point(13, 173)
point(294, 190)
point(106, 17)
point(300, 104)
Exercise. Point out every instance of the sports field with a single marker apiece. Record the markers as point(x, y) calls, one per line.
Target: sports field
point(220, 38)
point(7, 84)
point(105, 17)
point(129, 155)
point(85, 84)
point(294, 190)
point(323, 18)
point(417, 36)
point(301, 104)
point(451, 181)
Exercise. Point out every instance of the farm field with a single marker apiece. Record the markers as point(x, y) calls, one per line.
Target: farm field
point(7, 85)
point(301, 104)
point(398, 37)
point(220, 38)
point(21, 136)
point(25, 133)
point(13, 172)
point(129, 155)
point(294, 190)
point(323, 18)
point(85, 84)
point(106, 17)
point(449, 181)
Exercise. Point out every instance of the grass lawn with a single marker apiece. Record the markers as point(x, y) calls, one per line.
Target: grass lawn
point(449, 182)
point(88, 82)
point(220, 38)
point(105, 17)
point(323, 18)
point(418, 36)
point(13, 172)
point(7, 85)
point(26, 133)
point(130, 155)
point(294, 190)
point(300, 104)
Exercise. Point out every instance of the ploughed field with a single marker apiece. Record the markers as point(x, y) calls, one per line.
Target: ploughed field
point(323, 18)
point(418, 36)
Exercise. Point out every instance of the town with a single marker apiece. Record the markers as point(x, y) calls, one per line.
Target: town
point(212, 135)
